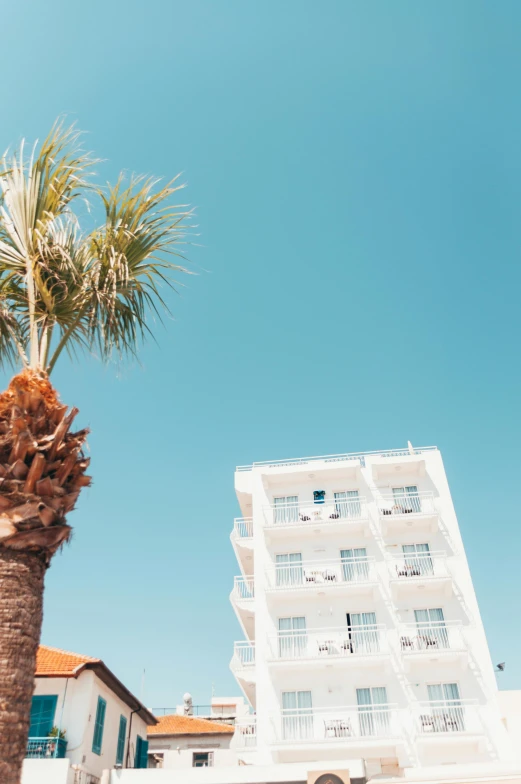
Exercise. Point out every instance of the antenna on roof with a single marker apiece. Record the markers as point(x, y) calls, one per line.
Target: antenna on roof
point(142, 692)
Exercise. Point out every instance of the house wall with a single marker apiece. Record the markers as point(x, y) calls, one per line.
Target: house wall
point(37, 771)
point(179, 749)
point(76, 714)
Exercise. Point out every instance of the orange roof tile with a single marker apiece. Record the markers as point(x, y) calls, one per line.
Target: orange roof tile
point(53, 661)
point(188, 725)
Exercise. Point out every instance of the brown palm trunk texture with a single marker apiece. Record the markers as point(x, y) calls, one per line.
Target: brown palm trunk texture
point(42, 472)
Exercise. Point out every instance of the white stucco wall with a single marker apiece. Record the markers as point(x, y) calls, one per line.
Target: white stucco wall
point(510, 705)
point(335, 688)
point(46, 772)
point(179, 749)
point(76, 714)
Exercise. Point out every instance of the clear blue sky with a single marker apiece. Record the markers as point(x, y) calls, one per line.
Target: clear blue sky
point(357, 174)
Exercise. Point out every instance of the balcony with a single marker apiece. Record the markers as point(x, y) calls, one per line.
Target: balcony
point(356, 646)
point(401, 513)
point(243, 659)
point(242, 598)
point(46, 748)
point(242, 542)
point(413, 572)
point(448, 719)
point(356, 727)
point(357, 575)
point(245, 736)
point(348, 515)
point(440, 641)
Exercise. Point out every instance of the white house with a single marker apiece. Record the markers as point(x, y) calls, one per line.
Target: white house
point(362, 633)
point(194, 743)
point(102, 723)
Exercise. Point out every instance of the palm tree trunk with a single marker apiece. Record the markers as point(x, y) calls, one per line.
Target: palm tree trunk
point(21, 611)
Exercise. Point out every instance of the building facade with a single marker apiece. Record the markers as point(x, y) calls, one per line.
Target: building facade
point(192, 741)
point(362, 632)
point(83, 714)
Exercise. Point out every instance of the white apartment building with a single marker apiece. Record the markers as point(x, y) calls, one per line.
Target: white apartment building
point(362, 632)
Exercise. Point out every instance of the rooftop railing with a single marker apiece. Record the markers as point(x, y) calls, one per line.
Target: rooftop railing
point(344, 642)
point(309, 513)
point(46, 748)
point(360, 456)
point(359, 722)
point(431, 637)
point(327, 573)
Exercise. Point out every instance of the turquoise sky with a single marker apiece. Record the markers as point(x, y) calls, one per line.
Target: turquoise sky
point(356, 168)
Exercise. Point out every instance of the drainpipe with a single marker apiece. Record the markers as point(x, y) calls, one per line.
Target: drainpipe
point(129, 733)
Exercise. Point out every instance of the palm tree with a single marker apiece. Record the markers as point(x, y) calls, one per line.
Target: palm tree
point(60, 290)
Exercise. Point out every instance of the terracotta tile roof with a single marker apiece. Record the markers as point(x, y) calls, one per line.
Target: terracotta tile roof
point(53, 661)
point(188, 725)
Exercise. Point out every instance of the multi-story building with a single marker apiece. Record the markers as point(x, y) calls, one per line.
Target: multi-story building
point(363, 637)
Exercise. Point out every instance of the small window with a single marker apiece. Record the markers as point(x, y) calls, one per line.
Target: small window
point(202, 759)
point(97, 738)
point(122, 733)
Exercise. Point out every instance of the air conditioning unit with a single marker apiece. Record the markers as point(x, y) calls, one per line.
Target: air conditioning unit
point(329, 777)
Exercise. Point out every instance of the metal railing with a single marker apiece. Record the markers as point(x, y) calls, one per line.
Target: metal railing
point(430, 637)
point(393, 453)
point(333, 724)
point(302, 513)
point(243, 527)
point(46, 748)
point(420, 503)
point(243, 588)
point(342, 642)
point(243, 655)
point(448, 717)
point(411, 566)
point(309, 574)
point(246, 733)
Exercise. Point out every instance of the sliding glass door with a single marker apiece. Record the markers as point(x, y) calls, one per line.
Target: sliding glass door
point(286, 510)
point(355, 566)
point(297, 715)
point(292, 638)
point(373, 713)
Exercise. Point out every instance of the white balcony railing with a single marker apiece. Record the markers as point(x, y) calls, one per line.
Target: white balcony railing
point(415, 504)
point(418, 566)
point(309, 574)
point(447, 717)
point(246, 733)
point(361, 722)
point(243, 656)
point(243, 527)
point(345, 643)
point(243, 588)
point(307, 513)
point(430, 637)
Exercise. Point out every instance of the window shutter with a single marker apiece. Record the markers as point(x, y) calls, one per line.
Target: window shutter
point(97, 738)
point(43, 708)
point(141, 760)
point(121, 740)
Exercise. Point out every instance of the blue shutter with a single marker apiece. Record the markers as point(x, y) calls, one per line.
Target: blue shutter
point(97, 738)
point(141, 759)
point(43, 708)
point(122, 734)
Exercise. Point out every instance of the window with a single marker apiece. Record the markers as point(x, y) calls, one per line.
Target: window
point(286, 509)
point(43, 708)
point(292, 637)
point(373, 713)
point(97, 739)
point(448, 712)
point(347, 504)
point(417, 560)
point(122, 733)
point(289, 569)
point(432, 631)
point(406, 499)
point(297, 715)
point(202, 759)
point(355, 566)
point(141, 758)
point(362, 632)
